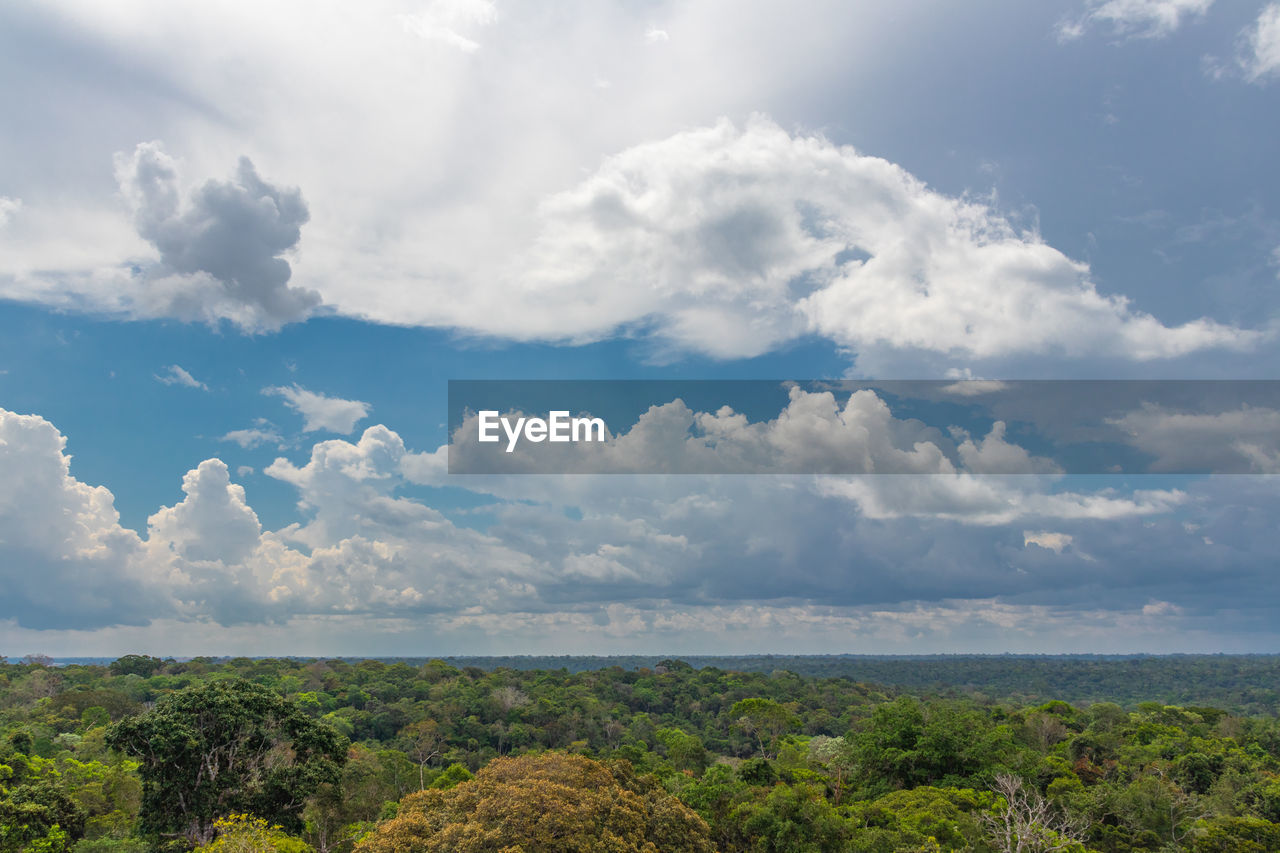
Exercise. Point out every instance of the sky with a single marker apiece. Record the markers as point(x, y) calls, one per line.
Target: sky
point(245, 247)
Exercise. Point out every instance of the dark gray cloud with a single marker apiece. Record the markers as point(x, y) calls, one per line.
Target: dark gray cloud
point(221, 251)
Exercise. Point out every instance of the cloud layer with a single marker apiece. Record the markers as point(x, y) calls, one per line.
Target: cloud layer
point(645, 555)
point(596, 197)
point(735, 241)
point(729, 241)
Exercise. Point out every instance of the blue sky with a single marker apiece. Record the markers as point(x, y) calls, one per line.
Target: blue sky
point(243, 249)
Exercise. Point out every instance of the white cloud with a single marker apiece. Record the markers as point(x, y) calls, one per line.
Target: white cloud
point(445, 21)
point(176, 375)
point(735, 241)
point(371, 549)
point(65, 561)
point(212, 522)
point(64, 558)
point(913, 470)
point(974, 387)
point(1137, 18)
point(254, 437)
point(1046, 539)
point(993, 455)
point(342, 481)
point(1161, 609)
point(9, 208)
point(991, 500)
point(1263, 59)
point(320, 412)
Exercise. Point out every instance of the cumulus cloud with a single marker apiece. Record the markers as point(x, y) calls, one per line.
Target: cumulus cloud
point(814, 433)
point(341, 479)
point(1261, 62)
point(212, 522)
point(220, 248)
point(176, 375)
point(1136, 18)
point(790, 551)
point(320, 412)
point(894, 428)
point(65, 561)
point(991, 454)
point(372, 548)
point(64, 558)
point(733, 241)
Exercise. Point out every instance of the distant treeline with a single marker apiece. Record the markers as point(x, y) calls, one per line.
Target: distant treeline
point(1242, 684)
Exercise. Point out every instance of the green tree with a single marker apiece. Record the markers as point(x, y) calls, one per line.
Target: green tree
point(763, 719)
point(425, 740)
point(143, 665)
point(911, 819)
point(792, 819)
point(684, 751)
point(222, 748)
point(38, 817)
point(908, 743)
point(1237, 835)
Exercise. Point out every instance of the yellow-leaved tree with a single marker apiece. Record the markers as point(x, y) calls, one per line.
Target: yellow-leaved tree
point(549, 803)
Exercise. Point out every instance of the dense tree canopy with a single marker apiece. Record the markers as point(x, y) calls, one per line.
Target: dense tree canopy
point(769, 761)
point(222, 748)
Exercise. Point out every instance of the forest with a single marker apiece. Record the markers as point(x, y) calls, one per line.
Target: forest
point(143, 754)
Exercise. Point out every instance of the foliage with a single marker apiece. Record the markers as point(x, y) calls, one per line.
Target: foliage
point(907, 743)
point(949, 818)
point(240, 833)
point(550, 803)
point(38, 817)
point(769, 759)
point(221, 748)
point(763, 719)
